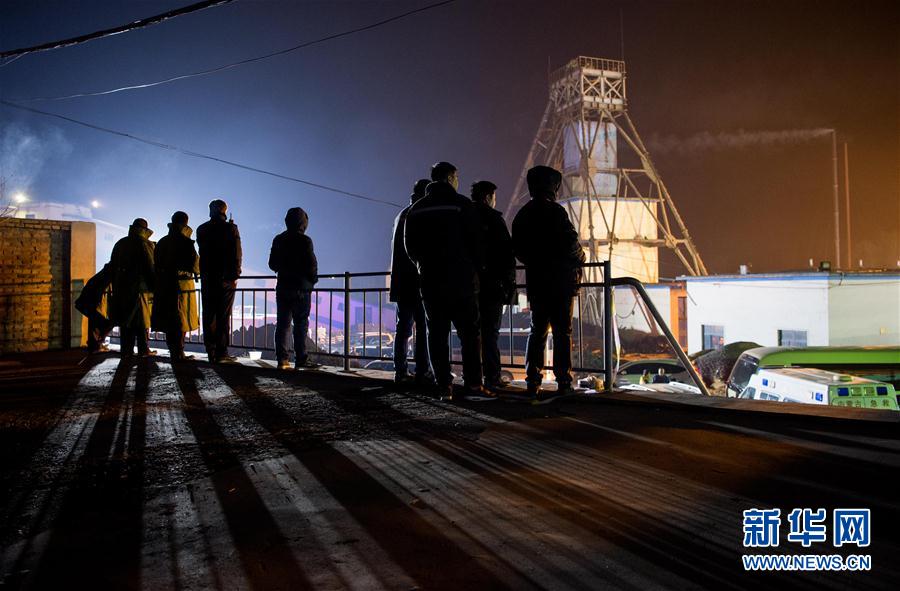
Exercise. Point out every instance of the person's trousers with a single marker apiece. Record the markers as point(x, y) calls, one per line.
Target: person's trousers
point(175, 342)
point(555, 312)
point(463, 314)
point(409, 313)
point(217, 298)
point(490, 309)
point(128, 337)
point(98, 329)
point(292, 305)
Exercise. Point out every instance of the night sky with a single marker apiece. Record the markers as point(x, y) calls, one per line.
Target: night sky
point(466, 83)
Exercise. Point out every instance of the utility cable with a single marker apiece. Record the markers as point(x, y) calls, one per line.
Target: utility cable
point(244, 61)
point(139, 24)
point(198, 154)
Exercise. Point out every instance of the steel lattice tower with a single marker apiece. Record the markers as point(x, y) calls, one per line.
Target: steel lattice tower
point(622, 214)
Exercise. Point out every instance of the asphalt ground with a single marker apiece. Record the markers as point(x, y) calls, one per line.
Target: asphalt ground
point(144, 475)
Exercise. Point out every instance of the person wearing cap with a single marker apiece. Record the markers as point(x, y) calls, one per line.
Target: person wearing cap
point(405, 293)
point(292, 257)
point(219, 242)
point(133, 281)
point(547, 244)
point(175, 301)
point(443, 238)
point(497, 279)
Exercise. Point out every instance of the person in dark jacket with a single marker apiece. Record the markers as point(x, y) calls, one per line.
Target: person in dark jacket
point(547, 244)
point(442, 237)
point(93, 303)
point(175, 302)
point(132, 282)
point(497, 280)
point(405, 293)
point(293, 259)
point(220, 267)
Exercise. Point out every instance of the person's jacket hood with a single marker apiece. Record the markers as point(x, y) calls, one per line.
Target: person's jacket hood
point(142, 233)
point(182, 229)
point(297, 220)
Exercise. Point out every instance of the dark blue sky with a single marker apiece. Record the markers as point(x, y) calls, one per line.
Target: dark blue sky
point(465, 83)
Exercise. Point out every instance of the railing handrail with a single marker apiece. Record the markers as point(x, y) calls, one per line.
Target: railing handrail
point(347, 289)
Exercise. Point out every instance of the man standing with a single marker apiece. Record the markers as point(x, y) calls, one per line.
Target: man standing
point(405, 293)
point(220, 268)
point(547, 244)
point(497, 280)
point(293, 259)
point(177, 266)
point(133, 282)
point(442, 238)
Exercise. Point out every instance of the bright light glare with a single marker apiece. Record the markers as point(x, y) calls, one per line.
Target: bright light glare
point(95, 204)
point(20, 197)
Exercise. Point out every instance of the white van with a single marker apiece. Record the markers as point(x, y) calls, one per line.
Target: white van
point(819, 386)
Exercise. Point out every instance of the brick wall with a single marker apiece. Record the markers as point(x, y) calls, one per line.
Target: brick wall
point(40, 265)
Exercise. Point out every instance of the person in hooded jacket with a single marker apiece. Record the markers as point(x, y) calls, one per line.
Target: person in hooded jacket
point(497, 280)
point(293, 259)
point(175, 302)
point(405, 293)
point(219, 243)
point(133, 281)
point(93, 303)
point(443, 238)
point(547, 244)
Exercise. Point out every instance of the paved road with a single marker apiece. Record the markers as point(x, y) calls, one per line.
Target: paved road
point(141, 475)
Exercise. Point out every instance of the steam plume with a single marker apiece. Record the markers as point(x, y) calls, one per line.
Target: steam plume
point(731, 140)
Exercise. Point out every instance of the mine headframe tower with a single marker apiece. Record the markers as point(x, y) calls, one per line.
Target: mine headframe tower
point(622, 214)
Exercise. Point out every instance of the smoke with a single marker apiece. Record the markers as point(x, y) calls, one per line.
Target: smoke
point(24, 152)
point(733, 140)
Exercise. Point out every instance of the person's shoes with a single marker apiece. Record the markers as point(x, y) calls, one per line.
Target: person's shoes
point(182, 358)
point(494, 386)
point(226, 359)
point(145, 354)
point(445, 393)
point(284, 364)
point(402, 378)
point(534, 390)
point(479, 393)
point(308, 364)
point(565, 390)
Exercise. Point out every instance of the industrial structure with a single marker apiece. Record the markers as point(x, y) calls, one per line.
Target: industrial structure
point(615, 198)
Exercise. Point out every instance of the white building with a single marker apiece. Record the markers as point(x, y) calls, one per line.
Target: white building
point(794, 309)
point(107, 234)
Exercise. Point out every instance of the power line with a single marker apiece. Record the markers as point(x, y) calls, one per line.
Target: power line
point(198, 154)
point(139, 24)
point(244, 61)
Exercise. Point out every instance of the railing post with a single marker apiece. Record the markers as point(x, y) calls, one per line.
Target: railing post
point(346, 320)
point(607, 327)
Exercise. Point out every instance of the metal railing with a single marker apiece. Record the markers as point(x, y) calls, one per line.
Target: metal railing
point(353, 328)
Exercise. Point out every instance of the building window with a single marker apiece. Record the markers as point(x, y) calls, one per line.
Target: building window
point(791, 338)
point(713, 336)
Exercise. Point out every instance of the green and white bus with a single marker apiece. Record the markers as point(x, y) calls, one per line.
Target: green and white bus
point(881, 363)
point(820, 387)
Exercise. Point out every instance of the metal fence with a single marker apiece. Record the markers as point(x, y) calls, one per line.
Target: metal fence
point(353, 323)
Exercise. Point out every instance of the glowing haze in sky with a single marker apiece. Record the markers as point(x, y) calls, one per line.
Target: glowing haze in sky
point(716, 88)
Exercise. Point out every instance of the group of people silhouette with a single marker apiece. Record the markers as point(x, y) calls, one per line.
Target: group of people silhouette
point(151, 285)
point(453, 263)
